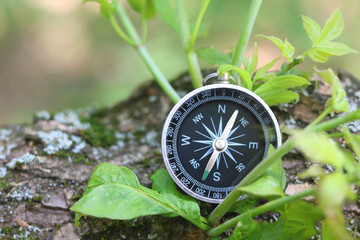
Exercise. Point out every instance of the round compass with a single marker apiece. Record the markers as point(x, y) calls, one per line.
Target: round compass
point(214, 137)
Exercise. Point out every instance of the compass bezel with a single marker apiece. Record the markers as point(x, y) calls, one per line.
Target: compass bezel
point(179, 105)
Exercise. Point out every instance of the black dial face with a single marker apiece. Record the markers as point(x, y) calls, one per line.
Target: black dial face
point(214, 137)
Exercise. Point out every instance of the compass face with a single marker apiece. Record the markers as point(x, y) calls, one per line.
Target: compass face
point(214, 137)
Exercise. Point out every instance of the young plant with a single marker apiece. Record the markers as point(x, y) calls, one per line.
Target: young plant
point(111, 187)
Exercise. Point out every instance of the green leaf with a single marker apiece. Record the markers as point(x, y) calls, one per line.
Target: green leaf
point(271, 183)
point(214, 57)
point(337, 102)
point(254, 61)
point(261, 71)
point(286, 47)
point(249, 229)
point(353, 140)
point(332, 193)
point(297, 222)
point(313, 171)
point(334, 49)
point(275, 97)
point(275, 91)
point(300, 219)
point(168, 13)
point(119, 201)
point(317, 148)
point(118, 195)
point(247, 62)
point(110, 173)
point(288, 51)
point(333, 27)
point(163, 183)
point(106, 9)
point(318, 56)
point(312, 29)
point(244, 75)
point(115, 192)
point(265, 186)
point(277, 170)
point(322, 47)
point(144, 7)
point(244, 205)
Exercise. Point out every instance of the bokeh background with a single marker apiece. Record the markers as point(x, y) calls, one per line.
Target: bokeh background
point(59, 54)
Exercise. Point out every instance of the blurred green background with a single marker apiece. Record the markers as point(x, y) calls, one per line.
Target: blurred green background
point(59, 54)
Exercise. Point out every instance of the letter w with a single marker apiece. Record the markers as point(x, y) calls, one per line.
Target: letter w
point(185, 140)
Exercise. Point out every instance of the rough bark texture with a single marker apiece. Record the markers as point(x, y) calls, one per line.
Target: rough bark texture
point(45, 166)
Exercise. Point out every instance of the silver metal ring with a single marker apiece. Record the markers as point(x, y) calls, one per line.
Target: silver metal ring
point(225, 79)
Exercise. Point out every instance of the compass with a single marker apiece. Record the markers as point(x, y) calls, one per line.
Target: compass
point(214, 136)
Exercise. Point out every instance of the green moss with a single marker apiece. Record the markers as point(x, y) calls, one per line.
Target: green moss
point(76, 197)
point(76, 157)
point(57, 226)
point(98, 135)
point(139, 133)
point(37, 198)
point(11, 231)
point(3, 184)
point(147, 162)
point(157, 152)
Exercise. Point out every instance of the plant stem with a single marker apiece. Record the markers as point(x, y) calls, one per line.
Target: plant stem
point(191, 57)
point(320, 117)
point(333, 123)
point(120, 32)
point(229, 201)
point(246, 32)
point(204, 5)
point(155, 71)
point(144, 54)
point(259, 210)
point(336, 135)
point(294, 62)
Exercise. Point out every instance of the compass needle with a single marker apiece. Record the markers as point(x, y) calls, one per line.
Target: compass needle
point(220, 144)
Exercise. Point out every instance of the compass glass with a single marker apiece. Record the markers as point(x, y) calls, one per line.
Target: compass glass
point(214, 137)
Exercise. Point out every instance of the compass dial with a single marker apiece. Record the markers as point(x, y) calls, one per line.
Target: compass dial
point(214, 137)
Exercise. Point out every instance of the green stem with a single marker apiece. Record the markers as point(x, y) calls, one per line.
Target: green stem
point(120, 32)
point(294, 62)
point(155, 71)
point(204, 5)
point(333, 123)
point(144, 54)
point(259, 210)
point(320, 117)
point(191, 57)
point(229, 201)
point(246, 32)
point(336, 135)
point(194, 69)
